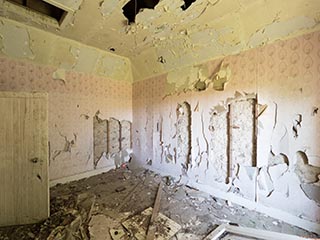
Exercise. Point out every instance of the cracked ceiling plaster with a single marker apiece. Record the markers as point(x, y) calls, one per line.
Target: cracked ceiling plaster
point(166, 37)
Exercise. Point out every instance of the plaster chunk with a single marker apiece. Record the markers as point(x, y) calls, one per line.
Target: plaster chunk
point(277, 171)
point(277, 159)
point(280, 139)
point(100, 225)
point(246, 181)
point(59, 74)
point(306, 173)
point(221, 77)
point(265, 184)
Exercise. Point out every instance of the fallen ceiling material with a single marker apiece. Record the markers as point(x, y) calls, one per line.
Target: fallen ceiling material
point(117, 205)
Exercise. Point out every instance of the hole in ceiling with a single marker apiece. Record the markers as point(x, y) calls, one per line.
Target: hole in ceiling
point(133, 7)
point(41, 7)
point(187, 3)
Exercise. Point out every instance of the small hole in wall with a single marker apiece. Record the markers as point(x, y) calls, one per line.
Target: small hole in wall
point(133, 7)
point(187, 4)
point(161, 60)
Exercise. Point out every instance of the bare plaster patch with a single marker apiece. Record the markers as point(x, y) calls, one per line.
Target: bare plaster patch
point(108, 6)
point(15, 41)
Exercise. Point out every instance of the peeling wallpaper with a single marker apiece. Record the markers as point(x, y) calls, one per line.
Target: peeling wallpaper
point(20, 41)
point(207, 30)
point(73, 103)
point(283, 78)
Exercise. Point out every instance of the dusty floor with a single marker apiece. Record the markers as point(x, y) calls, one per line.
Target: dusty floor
point(96, 207)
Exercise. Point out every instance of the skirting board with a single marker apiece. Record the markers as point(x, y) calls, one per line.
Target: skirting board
point(249, 232)
point(80, 176)
point(272, 212)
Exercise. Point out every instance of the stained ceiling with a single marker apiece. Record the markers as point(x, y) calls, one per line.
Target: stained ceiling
point(170, 34)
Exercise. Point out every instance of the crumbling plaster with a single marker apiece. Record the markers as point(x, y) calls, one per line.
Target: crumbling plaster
point(283, 78)
point(73, 104)
point(208, 29)
point(20, 41)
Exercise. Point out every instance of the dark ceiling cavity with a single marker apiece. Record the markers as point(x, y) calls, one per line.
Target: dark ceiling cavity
point(187, 3)
point(132, 8)
point(41, 7)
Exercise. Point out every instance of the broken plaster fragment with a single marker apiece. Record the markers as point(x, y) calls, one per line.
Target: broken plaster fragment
point(306, 173)
point(60, 74)
point(161, 60)
point(245, 181)
point(277, 159)
point(296, 125)
point(200, 86)
point(265, 184)
point(117, 234)
point(261, 109)
point(314, 111)
point(221, 77)
point(107, 7)
point(277, 171)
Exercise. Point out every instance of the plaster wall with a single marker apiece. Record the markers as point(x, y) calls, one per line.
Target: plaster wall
point(73, 104)
point(283, 79)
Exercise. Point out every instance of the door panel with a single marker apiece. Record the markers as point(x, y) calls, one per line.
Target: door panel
point(24, 190)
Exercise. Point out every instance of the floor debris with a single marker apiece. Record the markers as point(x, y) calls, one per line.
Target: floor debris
point(92, 208)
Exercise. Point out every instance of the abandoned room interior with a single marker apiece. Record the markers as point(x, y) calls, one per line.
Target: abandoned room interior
point(159, 119)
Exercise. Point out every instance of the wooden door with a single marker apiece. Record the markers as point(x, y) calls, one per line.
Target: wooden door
point(24, 189)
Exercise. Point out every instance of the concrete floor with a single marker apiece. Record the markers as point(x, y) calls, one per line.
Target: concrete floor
point(96, 207)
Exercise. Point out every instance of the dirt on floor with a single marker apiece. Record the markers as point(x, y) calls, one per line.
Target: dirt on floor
point(114, 205)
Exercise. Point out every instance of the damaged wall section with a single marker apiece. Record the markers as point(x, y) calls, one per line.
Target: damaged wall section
point(264, 143)
point(183, 134)
point(72, 106)
point(112, 141)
